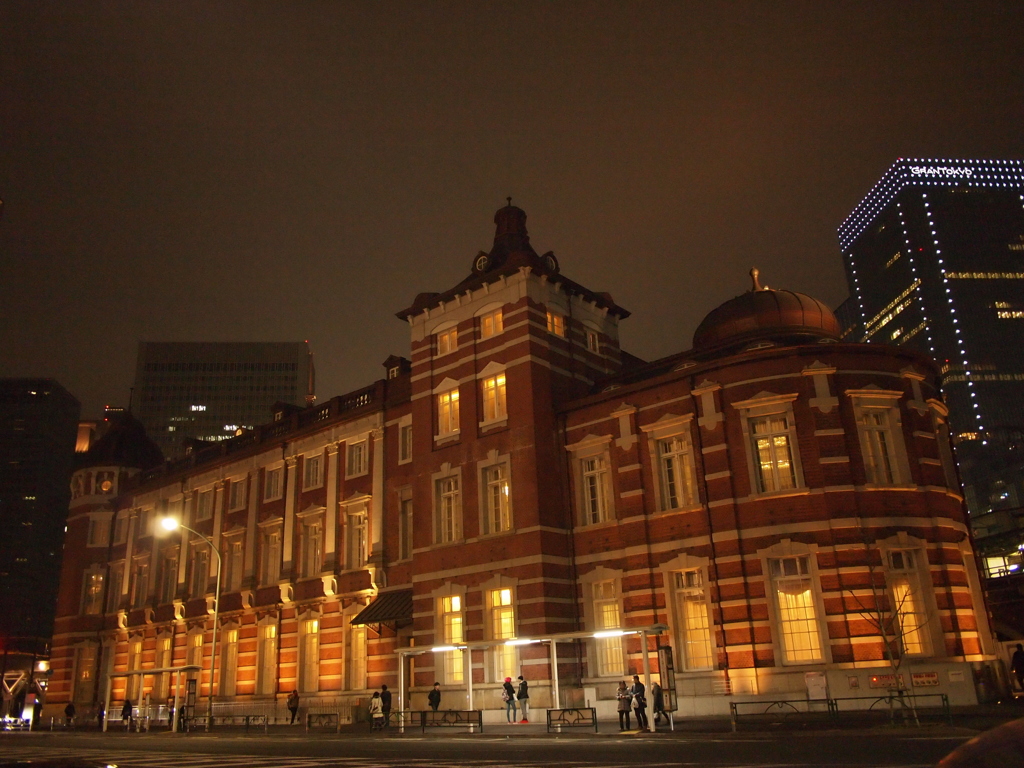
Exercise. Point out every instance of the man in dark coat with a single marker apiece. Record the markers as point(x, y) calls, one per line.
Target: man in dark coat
point(434, 697)
point(639, 694)
point(385, 704)
point(524, 699)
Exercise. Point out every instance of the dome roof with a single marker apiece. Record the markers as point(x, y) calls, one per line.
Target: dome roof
point(126, 444)
point(766, 314)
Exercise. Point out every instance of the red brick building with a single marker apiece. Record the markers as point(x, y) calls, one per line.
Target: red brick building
point(782, 503)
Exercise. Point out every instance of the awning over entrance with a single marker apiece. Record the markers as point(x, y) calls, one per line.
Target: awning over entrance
point(390, 609)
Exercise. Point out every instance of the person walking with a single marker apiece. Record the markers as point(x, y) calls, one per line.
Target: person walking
point(639, 694)
point(508, 695)
point(69, 715)
point(376, 712)
point(625, 704)
point(523, 694)
point(385, 704)
point(658, 703)
point(126, 714)
point(434, 697)
point(293, 705)
point(1017, 665)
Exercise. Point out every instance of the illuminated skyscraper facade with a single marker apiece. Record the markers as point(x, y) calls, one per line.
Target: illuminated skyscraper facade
point(934, 258)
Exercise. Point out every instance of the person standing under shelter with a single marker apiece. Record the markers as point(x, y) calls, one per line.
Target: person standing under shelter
point(523, 694)
point(639, 694)
point(1017, 665)
point(385, 704)
point(625, 704)
point(434, 697)
point(508, 695)
point(69, 715)
point(376, 712)
point(658, 703)
point(293, 704)
point(126, 714)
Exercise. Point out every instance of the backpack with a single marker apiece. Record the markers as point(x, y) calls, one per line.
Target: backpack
point(504, 694)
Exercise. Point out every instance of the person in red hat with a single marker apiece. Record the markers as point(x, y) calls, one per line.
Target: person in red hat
point(508, 695)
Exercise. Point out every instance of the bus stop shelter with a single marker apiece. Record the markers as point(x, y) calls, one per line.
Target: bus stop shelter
point(176, 671)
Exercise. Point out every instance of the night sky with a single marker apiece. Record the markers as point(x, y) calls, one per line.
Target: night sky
point(258, 171)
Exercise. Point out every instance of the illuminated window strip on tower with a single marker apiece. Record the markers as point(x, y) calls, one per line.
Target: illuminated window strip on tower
point(926, 173)
point(917, 278)
point(952, 310)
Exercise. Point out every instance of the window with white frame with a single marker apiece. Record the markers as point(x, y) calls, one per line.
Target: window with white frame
point(447, 341)
point(229, 663)
point(311, 545)
point(405, 525)
point(309, 656)
point(404, 443)
point(355, 536)
point(199, 575)
point(448, 504)
point(503, 627)
point(92, 592)
point(121, 528)
point(796, 609)
point(312, 475)
point(556, 324)
point(140, 582)
point(694, 625)
point(494, 398)
point(270, 555)
point(266, 653)
point(448, 412)
point(235, 547)
point(272, 484)
point(607, 617)
point(355, 668)
point(593, 341)
point(116, 583)
point(594, 492)
point(491, 324)
point(204, 506)
point(676, 472)
point(497, 504)
point(97, 536)
point(133, 688)
point(355, 459)
point(771, 442)
point(86, 658)
point(908, 615)
point(236, 495)
point(452, 624)
point(882, 447)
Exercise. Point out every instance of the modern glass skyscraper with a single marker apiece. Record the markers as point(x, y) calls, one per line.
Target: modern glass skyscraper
point(209, 390)
point(934, 258)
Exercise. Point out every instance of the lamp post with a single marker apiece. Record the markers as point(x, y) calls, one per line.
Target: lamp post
point(172, 524)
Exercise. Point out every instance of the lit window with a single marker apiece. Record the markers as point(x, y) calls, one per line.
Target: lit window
point(594, 472)
point(356, 533)
point(448, 412)
point(309, 651)
point(92, 595)
point(607, 617)
point(194, 656)
point(877, 444)
point(503, 627)
point(494, 398)
point(311, 475)
point(452, 626)
point(675, 465)
point(908, 615)
point(134, 686)
point(692, 615)
point(556, 324)
point(85, 673)
point(773, 456)
point(272, 484)
point(266, 681)
point(449, 512)
point(593, 341)
point(356, 459)
point(797, 615)
point(491, 324)
point(447, 341)
point(356, 666)
point(229, 664)
point(498, 513)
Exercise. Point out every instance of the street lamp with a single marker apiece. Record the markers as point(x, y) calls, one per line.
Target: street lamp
point(173, 524)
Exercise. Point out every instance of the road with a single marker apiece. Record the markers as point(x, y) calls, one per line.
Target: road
point(876, 748)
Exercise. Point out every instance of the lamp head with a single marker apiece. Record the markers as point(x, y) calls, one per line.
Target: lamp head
point(170, 523)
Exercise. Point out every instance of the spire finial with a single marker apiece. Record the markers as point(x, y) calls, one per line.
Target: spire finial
point(509, 200)
point(754, 272)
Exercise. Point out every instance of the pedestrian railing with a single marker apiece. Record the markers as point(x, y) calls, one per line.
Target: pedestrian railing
point(323, 719)
point(907, 705)
point(449, 718)
point(573, 717)
point(784, 708)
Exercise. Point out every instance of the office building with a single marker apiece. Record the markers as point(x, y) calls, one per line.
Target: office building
point(188, 391)
point(770, 514)
point(38, 426)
